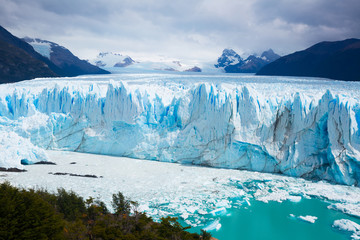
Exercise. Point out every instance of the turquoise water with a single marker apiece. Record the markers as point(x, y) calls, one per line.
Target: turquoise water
point(262, 221)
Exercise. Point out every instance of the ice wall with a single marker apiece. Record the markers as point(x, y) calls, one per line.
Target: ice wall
point(296, 135)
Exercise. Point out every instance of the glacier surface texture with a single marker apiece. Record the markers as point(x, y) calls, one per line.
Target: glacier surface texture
point(298, 127)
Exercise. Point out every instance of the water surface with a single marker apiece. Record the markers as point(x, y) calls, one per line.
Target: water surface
point(272, 221)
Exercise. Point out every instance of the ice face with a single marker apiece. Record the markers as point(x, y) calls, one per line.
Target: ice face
point(14, 149)
point(291, 126)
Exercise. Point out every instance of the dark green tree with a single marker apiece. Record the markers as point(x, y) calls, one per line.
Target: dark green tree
point(30, 214)
point(70, 204)
point(205, 235)
point(120, 204)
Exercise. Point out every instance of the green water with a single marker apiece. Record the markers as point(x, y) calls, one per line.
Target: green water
point(271, 221)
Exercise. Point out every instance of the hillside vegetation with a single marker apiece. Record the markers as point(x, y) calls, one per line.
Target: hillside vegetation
point(38, 214)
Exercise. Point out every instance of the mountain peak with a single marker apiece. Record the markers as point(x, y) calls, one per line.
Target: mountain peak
point(228, 57)
point(229, 52)
point(112, 59)
point(336, 60)
point(231, 62)
point(104, 54)
point(270, 55)
point(66, 63)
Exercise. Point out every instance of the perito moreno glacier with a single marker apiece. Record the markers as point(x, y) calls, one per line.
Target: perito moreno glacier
point(298, 127)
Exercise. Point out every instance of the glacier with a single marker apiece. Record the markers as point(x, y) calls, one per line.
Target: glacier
point(299, 127)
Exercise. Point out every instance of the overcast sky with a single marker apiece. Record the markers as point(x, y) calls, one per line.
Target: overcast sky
point(182, 29)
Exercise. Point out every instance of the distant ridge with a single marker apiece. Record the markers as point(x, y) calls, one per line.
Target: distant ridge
point(19, 61)
point(336, 60)
point(232, 62)
point(68, 64)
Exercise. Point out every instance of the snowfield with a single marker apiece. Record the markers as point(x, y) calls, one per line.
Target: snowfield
point(298, 127)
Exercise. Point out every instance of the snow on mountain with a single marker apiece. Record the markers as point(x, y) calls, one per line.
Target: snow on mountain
point(269, 55)
point(228, 57)
point(42, 47)
point(116, 62)
point(302, 128)
point(231, 62)
point(112, 59)
point(66, 64)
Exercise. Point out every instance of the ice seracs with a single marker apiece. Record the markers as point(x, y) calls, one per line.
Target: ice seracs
point(241, 123)
point(14, 149)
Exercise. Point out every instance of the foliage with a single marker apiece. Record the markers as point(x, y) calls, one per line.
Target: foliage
point(70, 204)
point(25, 215)
point(120, 204)
point(30, 214)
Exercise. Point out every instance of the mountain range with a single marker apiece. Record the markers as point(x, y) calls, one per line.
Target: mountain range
point(111, 59)
point(116, 62)
point(20, 61)
point(336, 60)
point(29, 58)
point(232, 62)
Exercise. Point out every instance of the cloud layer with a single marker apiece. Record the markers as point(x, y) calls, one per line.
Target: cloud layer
point(182, 29)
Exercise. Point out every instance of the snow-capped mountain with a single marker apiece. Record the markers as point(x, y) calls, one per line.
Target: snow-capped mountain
point(168, 65)
point(228, 57)
point(112, 59)
point(269, 56)
point(232, 62)
point(67, 64)
point(301, 128)
point(19, 61)
point(337, 60)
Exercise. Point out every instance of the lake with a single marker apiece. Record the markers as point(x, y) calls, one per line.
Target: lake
point(272, 221)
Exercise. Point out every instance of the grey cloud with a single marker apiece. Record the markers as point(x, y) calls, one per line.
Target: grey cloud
point(333, 13)
point(184, 28)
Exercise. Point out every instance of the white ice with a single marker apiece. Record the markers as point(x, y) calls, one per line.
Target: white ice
point(14, 148)
point(349, 226)
point(294, 126)
point(308, 218)
point(161, 189)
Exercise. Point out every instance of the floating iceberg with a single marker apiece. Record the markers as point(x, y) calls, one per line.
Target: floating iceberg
point(308, 218)
point(215, 225)
point(349, 226)
point(299, 128)
point(218, 211)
